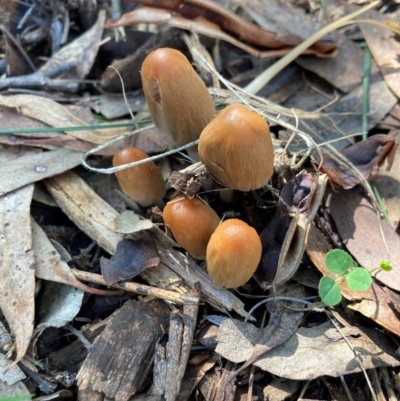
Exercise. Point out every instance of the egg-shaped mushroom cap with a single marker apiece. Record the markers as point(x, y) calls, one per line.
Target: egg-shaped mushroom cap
point(233, 253)
point(191, 221)
point(179, 102)
point(236, 148)
point(144, 183)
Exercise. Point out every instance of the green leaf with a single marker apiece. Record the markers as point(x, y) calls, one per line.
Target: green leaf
point(338, 261)
point(385, 265)
point(359, 279)
point(329, 291)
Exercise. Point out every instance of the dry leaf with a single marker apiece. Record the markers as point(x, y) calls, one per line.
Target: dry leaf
point(230, 22)
point(385, 49)
point(129, 222)
point(282, 324)
point(203, 26)
point(365, 156)
point(131, 258)
point(55, 115)
point(310, 352)
point(284, 238)
point(51, 267)
point(33, 167)
point(59, 304)
point(17, 266)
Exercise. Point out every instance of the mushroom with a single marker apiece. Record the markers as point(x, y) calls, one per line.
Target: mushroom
point(144, 183)
point(236, 148)
point(191, 221)
point(233, 253)
point(178, 99)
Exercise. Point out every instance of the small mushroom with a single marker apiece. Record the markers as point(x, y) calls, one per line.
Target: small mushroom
point(191, 221)
point(179, 102)
point(144, 183)
point(233, 253)
point(236, 148)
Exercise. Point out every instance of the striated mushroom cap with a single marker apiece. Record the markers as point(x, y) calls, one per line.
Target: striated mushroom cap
point(191, 222)
point(144, 183)
point(236, 148)
point(233, 253)
point(178, 99)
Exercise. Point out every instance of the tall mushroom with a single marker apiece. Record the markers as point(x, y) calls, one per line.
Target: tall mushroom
point(236, 148)
point(178, 99)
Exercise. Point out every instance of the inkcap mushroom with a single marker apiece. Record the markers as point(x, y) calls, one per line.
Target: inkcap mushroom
point(236, 148)
point(179, 102)
point(191, 221)
point(144, 183)
point(233, 253)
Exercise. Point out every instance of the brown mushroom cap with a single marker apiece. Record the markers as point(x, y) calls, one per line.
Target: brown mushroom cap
point(236, 148)
point(144, 183)
point(178, 99)
point(233, 253)
point(191, 222)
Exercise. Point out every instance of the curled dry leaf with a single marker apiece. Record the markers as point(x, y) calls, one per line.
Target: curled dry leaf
point(131, 258)
point(284, 238)
point(211, 19)
point(366, 157)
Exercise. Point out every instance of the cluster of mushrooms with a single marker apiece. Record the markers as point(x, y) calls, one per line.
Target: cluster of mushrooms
point(234, 145)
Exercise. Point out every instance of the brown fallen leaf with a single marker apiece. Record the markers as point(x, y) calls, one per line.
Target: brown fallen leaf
point(131, 258)
point(373, 303)
point(33, 166)
point(282, 324)
point(199, 25)
point(311, 352)
point(55, 115)
point(50, 266)
point(17, 267)
point(231, 22)
point(361, 160)
point(385, 48)
point(366, 236)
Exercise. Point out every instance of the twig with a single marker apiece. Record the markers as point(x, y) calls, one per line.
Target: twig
point(140, 289)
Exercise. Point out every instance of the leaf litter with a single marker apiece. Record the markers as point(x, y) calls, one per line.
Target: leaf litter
point(288, 346)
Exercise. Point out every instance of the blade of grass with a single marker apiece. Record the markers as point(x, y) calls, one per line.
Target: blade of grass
point(365, 94)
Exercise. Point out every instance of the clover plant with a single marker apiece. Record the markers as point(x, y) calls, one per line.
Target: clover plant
point(357, 278)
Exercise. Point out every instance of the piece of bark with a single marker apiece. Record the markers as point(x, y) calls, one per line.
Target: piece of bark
point(173, 353)
point(170, 364)
point(222, 389)
point(123, 354)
